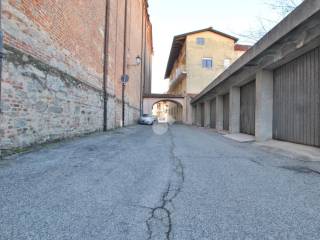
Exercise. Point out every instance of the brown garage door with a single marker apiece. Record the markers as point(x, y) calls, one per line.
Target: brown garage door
point(226, 107)
point(213, 113)
point(247, 108)
point(297, 100)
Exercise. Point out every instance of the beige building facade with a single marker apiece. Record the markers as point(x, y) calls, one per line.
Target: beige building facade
point(195, 60)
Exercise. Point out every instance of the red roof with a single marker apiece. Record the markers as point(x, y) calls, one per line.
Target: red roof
point(240, 47)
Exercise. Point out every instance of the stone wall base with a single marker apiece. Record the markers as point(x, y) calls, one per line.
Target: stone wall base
point(41, 104)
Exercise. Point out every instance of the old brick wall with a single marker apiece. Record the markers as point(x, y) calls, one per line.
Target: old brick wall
point(53, 68)
point(148, 58)
point(137, 18)
point(68, 35)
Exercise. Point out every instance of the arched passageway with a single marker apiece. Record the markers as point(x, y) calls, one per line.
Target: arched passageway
point(168, 111)
point(166, 107)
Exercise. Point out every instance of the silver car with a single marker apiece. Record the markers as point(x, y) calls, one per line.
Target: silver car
point(146, 119)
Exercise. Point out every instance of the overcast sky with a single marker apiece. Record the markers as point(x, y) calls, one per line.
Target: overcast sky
point(173, 17)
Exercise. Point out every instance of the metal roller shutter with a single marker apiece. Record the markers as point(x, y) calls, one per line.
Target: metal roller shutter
point(213, 113)
point(297, 100)
point(226, 107)
point(248, 108)
point(202, 114)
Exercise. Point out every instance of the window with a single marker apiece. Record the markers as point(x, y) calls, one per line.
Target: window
point(200, 41)
point(207, 63)
point(226, 63)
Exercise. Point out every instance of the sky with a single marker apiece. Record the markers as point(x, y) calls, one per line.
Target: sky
point(174, 17)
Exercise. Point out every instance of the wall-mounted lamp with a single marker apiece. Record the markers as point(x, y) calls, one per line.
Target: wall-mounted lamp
point(138, 61)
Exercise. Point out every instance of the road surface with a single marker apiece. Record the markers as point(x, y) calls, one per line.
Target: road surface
point(188, 183)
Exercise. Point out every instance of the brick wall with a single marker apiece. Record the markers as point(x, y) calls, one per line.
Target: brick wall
point(52, 84)
point(148, 56)
point(137, 18)
point(68, 35)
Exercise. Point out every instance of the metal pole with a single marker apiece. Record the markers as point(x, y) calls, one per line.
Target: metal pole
point(1, 51)
point(106, 66)
point(124, 60)
point(123, 104)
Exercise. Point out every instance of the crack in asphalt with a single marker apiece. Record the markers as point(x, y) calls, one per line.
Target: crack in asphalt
point(300, 169)
point(254, 160)
point(161, 216)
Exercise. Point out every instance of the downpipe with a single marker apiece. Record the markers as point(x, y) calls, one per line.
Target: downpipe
point(124, 67)
point(106, 67)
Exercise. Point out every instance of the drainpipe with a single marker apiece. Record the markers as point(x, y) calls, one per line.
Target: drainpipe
point(1, 52)
point(124, 67)
point(142, 57)
point(106, 66)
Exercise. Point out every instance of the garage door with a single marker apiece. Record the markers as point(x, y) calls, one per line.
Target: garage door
point(202, 114)
point(213, 113)
point(198, 115)
point(247, 108)
point(226, 107)
point(297, 100)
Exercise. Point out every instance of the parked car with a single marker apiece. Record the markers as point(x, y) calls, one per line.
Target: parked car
point(147, 119)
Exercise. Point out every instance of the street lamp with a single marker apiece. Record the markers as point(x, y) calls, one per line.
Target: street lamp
point(138, 61)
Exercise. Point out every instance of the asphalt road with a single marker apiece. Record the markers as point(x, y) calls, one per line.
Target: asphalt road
point(188, 183)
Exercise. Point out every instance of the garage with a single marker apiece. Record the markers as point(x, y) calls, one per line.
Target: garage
point(247, 108)
point(226, 111)
point(296, 106)
point(202, 114)
point(213, 113)
point(198, 115)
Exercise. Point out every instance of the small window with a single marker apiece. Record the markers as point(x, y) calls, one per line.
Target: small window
point(200, 41)
point(207, 63)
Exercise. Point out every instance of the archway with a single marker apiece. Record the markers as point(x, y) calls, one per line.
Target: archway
point(168, 111)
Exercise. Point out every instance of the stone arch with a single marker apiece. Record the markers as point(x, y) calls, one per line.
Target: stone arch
point(169, 100)
point(148, 103)
point(169, 111)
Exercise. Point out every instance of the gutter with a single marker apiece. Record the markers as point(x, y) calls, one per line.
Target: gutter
point(106, 67)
